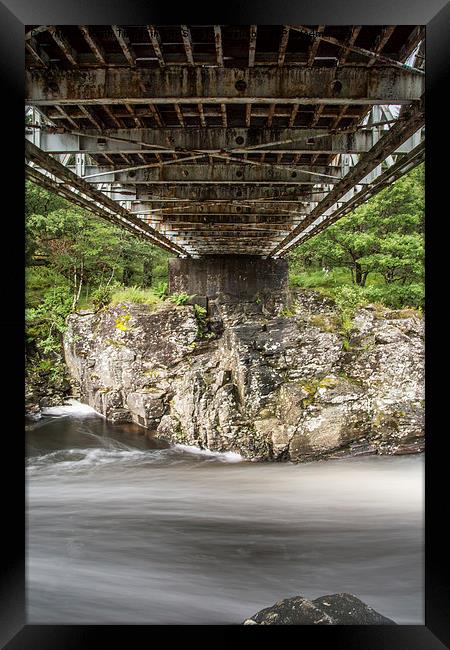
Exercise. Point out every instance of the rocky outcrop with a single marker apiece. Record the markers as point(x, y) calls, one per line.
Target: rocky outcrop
point(269, 383)
point(337, 609)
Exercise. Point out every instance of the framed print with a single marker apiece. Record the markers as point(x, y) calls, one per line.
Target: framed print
point(230, 231)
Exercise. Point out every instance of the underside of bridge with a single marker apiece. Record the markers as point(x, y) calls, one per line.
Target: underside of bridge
point(219, 140)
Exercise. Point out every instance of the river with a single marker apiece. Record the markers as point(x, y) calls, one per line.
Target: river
point(122, 529)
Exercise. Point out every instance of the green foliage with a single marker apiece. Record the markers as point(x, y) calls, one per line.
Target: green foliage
point(201, 315)
point(180, 298)
point(200, 312)
point(161, 289)
point(44, 326)
point(287, 312)
point(135, 295)
point(101, 297)
point(378, 248)
point(84, 250)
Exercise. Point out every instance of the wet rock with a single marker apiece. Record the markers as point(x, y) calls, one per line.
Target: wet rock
point(267, 386)
point(336, 609)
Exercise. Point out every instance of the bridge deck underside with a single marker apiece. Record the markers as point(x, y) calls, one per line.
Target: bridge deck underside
point(223, 139)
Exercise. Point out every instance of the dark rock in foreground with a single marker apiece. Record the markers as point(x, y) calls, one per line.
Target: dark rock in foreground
point(337, 609)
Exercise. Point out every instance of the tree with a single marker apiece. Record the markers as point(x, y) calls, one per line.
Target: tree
point(383, 235)
point(87, 251)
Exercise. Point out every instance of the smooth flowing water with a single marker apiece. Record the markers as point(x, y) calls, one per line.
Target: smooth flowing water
point(122, 529)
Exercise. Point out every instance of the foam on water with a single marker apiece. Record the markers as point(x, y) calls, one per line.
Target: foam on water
point(226, 456)
point(73, 408)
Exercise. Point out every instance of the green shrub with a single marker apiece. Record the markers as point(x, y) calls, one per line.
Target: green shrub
point(180, 298)
point(160, 289)
point(135, 295)
point(101, 297)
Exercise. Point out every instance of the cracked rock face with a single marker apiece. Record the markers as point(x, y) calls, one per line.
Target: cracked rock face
point(336, 609)
point(266, 386)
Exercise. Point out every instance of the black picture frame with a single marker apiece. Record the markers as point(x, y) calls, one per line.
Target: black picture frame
point(15, 634)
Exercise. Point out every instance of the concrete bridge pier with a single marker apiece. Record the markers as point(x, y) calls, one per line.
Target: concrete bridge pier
point(241, 276)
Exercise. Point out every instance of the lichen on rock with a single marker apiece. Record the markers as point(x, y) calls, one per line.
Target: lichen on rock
point(270, 387)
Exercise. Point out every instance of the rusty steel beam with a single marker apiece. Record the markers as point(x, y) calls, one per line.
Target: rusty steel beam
point(252, 45)
point(217, 192)
point(387, 144)
point(124, 43)
point(218, 43)
point(95, 46)
point(63, 44)
point(286, 84)
point(381, 41)
point(39, 158)
point(315, 45)
point(37, 52)
point(349, 43)
point(156, 42)
point(404, 165)
point(208, 139)
point(187, 42)
point(359, 50)
point(215, 173)
point(283, 45)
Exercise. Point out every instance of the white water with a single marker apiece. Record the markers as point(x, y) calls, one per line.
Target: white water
point(120, 532)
